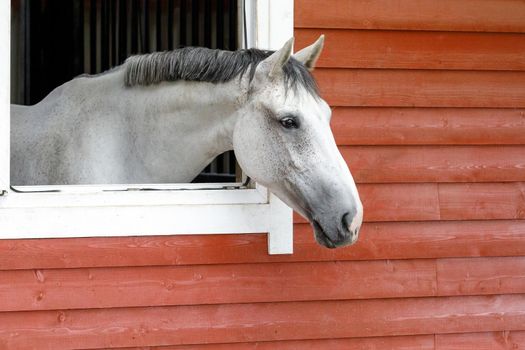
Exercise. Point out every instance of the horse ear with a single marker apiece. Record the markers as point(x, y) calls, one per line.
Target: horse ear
point(272, 66)
point(309, 55)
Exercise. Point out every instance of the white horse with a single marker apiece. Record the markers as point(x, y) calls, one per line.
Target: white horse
point(163, 117)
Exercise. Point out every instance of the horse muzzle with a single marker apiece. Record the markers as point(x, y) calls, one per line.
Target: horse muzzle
point(344, 233)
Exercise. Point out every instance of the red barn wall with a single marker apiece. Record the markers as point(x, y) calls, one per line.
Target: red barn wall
point(429, 111)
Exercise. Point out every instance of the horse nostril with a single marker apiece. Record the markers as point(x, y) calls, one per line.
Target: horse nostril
point(350, 224)
point(345, 223)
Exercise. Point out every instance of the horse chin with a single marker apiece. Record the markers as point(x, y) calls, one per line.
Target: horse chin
point(324, 239)
point(322, 234)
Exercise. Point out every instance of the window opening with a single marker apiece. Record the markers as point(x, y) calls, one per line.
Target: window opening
point(53, 41)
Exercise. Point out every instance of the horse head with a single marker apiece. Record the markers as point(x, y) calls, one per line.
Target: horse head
point(282, 139)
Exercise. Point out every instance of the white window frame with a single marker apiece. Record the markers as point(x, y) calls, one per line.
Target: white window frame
point(114, 210)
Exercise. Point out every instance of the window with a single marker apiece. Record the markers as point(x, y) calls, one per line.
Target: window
point(53, 42)
point(80, 211)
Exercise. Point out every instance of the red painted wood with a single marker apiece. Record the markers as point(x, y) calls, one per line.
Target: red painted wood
point(131, 251)
point(428, 126)
point(401, 240)
point(425, 240)
point(481, 341)
point(227, 289)
point(479, 201)
point(215, 284)
point(462, 276)
point(443, 201)
point(415, 342)
point(450, 15)
point(416, 49)
point(399, 202)
point(410, 240)
point(26, 290)
point(463, 341)
point(421, 88)
point(259, 322)
point(398, 164)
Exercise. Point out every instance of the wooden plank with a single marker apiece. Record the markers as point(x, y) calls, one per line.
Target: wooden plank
point(206, 324)
point(481, 341)
point(397, 202)
point(421, 88)
point(428, 126)
point(416, 50)
point(130, 251)
point(411, 240)
point(214, 284)
point(29, 290)
point(479, 201)
point(399, 164)
point(380, 240)
point(496, 275)
point(414, 342)
point(377, 241)
point(449, 15)
point(463, 341)
point(453, 201)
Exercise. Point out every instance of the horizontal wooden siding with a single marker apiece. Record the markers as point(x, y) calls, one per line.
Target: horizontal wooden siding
point(428, 102)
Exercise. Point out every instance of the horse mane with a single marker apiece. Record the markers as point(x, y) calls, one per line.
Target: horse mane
point(209, 65)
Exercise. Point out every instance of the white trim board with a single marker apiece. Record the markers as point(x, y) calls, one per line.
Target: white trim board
point(5, 79)
point(89, 211)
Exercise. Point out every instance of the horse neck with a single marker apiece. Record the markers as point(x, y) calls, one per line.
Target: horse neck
point(205, 109)
point(179, 127)
point(166, 132)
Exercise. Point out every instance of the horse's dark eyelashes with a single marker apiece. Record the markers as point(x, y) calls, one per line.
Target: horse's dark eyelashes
point(289, 122)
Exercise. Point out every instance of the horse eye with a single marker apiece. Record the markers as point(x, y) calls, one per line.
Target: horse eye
point(289, 123)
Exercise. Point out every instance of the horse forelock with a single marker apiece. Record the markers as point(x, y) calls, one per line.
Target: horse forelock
point(209, 65)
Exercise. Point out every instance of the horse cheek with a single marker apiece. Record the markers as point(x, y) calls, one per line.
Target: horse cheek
point(253, 151)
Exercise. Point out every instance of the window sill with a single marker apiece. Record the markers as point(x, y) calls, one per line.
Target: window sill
point(84, 211)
